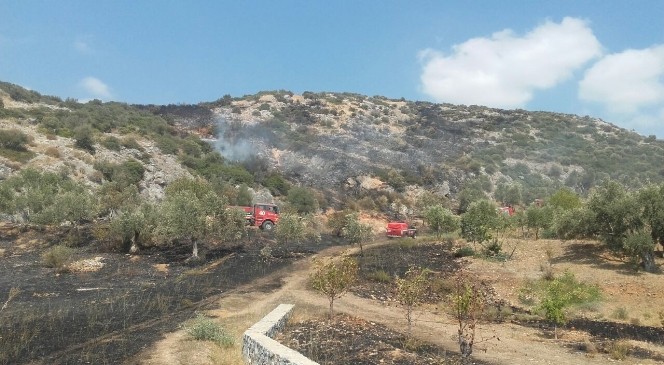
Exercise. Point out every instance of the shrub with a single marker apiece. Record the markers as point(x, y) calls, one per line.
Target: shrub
point(53, 152)
point(380, 276)
point(618, 350)
point(111, 143)
point(13, 139)
point(57, 257)
point(205, 329)
point(464, 251)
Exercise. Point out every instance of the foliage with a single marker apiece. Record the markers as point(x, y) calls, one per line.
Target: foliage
point(84, 138)
point(639, 245)
point(334, 278)
point(558, 294)
point(203, 328)
point(468, 303)
point(441, 220)
point(410, 291)
point(539, 218)
point(302, 200)
point(357, 233)
point(46, 198)
point(133, 227)
point(193, 211)
point(13, 139)
point(469, 195)
point(58, 257)
point(291, 228)
point(478, 222)
point(564, 199)
point(129, 172)
point(509, 194)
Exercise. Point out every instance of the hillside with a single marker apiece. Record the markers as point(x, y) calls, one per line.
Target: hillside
point(343, 145)
point(344, 142)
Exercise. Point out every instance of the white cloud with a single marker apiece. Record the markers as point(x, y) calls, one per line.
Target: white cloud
point(626, 82)
point(505, 69)
point(95, 87)
point(82, 46)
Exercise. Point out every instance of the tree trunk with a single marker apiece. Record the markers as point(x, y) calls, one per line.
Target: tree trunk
point(648, 258)
point(331, 307)
point(194, 253)
point(134, 247)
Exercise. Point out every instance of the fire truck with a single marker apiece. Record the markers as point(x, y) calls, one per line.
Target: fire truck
point(264, 216)
point(400, 229)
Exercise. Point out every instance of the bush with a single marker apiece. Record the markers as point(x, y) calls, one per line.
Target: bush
point(13, 139)
point(464, 252)
point(111, 143)
point(205, 329)
point(380, 276)
point(83, 137)
point(57, 257)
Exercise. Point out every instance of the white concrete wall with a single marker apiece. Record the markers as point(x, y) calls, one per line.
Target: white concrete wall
point(258, 348)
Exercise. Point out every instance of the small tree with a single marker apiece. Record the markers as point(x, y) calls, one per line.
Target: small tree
point(468, 303)
point(356, 232)
point(441, 220)
point(639, 247)
point(302, 200)
point(539, 218)
point(334, 278)
point(410, 291)
point(134, 226)
point(291, 228)
point(562, 292)
point(478, 222)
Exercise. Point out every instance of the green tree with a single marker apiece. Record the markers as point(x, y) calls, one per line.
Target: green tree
point(357, 233)
point(509, 194)
point(134, 226)
point(411, 290)
point(468, 302)
point(441, 220)
point(244, 196)
point(562, 292)
point(639, 246)
point(564, 199)
point(183, 217)
point(291, 228)
point(334, 278)
point(539, 218)
point(468, 195)
point(302, 200)
point(478, 222)
point(616, 212)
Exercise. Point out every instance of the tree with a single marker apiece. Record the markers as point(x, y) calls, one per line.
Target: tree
point(334, 278)
point(538, 218)
point(337, 222)
point(410, 291)
point(133, 226)
point(509, 194)
point(441, 220)
point(192, 211)
point(468, 302)
point(468, 195)
point(562, 292)
point(615, 212)
point(244, 196)
point(290, 228)
point(564, 199)
point(478, 222)
point(357, 233)
point(639, 247)
point(302, 200)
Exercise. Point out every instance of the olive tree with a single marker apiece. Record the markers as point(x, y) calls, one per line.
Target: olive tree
point(334, 278)
point(478, 222)
point(357, 233)
point(441, 220)
point(410, 291)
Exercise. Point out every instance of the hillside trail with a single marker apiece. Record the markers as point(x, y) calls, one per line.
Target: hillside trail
point(503, 343)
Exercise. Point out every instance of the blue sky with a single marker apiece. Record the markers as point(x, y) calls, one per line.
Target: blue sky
point(599, 58)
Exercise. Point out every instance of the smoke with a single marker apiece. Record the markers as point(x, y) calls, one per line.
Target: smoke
point(232, 142)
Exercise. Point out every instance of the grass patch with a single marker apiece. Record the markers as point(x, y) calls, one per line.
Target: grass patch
point(380, 276)
point(203, 328)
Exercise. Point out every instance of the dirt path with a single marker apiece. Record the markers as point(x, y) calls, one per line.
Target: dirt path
point(505, 343)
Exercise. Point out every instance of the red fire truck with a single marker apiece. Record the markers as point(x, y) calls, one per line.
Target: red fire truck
point(264, 216)
point(400, 229)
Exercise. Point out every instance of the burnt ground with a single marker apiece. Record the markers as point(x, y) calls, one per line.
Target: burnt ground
point(354, 341)
point(349, 340)
point(107, 315)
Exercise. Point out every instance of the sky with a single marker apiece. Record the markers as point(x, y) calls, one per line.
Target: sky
point(599, 58)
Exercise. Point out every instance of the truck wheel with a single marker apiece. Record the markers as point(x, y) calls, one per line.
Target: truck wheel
point(267, 226)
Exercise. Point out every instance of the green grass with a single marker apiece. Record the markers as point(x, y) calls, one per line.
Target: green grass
point(203, 328)
point(17, 156)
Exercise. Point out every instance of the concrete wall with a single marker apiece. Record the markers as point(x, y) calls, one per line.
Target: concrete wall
point(258, 348)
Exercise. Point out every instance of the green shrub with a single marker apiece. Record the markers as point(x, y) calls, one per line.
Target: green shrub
point(464, 252)
point(205, 329)
point(380, 276)
point(111, 143)
point(13, 139)
point(57, 257)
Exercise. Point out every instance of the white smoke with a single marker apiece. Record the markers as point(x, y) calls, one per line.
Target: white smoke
point(231, 143)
